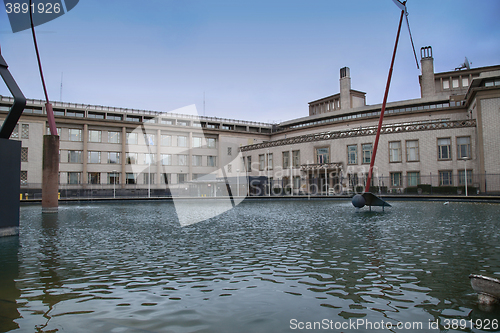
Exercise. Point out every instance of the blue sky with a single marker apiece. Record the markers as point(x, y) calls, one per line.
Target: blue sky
point(254, 60)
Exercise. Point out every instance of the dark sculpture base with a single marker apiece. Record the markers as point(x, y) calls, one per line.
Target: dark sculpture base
point(10, 180)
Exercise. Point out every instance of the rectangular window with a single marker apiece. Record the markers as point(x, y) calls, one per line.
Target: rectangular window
point(131, 138)
point(229, 168)
point(367, 152)
point(445, 178)
point(413, 178)
point(395, 151)
point(24, 177)
point(296, 158)
point(15, 132)
point(322, 155)
point(352, 154)
point(463, 147)
point(74, 178)
point(58, 129)
point(94, 136)
point(149, 159)
point(454, 83)
point(166, 140)
point(444, 148)
point(212, 161)
point(166, 159)
point(114, 137)
point(94, 157)
point(182, 123)
point(113, 178)
point(113, 157)
point(196, 142)
point(75, 134)
point(24, 154)
point(150, 139)
point(196, 160)
point(167, 121)
point(130, 178)
point(396, 179)
point(149, 178)
point(461, 177)
point(167, 178)
point(182, 159)
point(131, 158)
point(211, 143)
point(181, 178)
point(262, 162)
point(249, 163)
point(74, 156)
point(270, 161)
point(412, 154)
point(296, 182)
point(446, 84)
point(286, 159)
point(465, 82)
point(182, 141)
point(25, 131)
point(94, 177)
point(229, 151)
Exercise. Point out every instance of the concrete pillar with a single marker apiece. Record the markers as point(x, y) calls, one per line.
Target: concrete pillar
point(10, 166)
point(345, 88)
point(85, 155)
point(158, 158)
point(50, 174)
point(124, 158)
point(427, 84)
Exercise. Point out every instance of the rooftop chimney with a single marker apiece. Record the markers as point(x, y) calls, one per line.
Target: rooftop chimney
point(345, 88)
point(427, 85)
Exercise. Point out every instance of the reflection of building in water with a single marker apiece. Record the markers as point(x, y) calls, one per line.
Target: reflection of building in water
point(446, 138)
point(9, 247)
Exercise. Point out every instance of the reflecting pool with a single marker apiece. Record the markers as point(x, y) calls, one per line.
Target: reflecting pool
point(263, 266)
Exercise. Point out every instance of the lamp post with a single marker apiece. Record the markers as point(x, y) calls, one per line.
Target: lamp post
point(465, 174)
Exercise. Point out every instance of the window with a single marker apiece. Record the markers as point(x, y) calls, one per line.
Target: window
point(166, 159)
point(454, 83)
point(130, 179)
point(412, 151)
point(182, 159)
point(395, 151)
point(166, 140)
point(167, 121)
point(74, 178)
point(211, 161)
point(58, 130)
point(131, 138)
point(395, 179)
point(229, 151)
point(24, 177)
point(367, 153)
point(296, 182)
point(167, 178)
point(461, 177)
point(413, 178)
point(196, 160)
point(94, 177)
point(270, 161)
point(114, 116)
point(181, 178)
point(114, 137)
point(75, 134)
point(196, 142)
point(249, 163)
point(296, 158)
point(25, 131)
point(229, 168)
point(94, 136)
point(463, 147)
point(465, 82)
point(74, 156)
point(131, 158)
point(113, 157)
point(444, 149)
point(15, 132)
point(446, 84)
point(149, 178)
point(182, 123)
point(322, 155)
point(24, 154)
point(149, 158)
point(149, 139)
point(352, 154)
point(286, 159)
point(182, 141)
point(211, 143)
point(113, 178)
point(445, 178)
point(262, 162)
point(94, 157)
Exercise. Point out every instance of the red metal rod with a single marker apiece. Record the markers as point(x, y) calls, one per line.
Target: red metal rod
point(375, 146)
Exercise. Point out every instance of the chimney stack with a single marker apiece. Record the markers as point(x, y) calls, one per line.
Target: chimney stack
point(427, 84)
point(345, 88)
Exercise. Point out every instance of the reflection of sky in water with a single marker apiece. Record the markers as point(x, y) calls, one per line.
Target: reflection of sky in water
point(128, 267)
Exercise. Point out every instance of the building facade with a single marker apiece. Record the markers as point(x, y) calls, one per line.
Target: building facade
point(447, 138)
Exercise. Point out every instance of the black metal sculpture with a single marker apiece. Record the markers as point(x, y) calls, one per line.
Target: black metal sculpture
point(17, 108)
